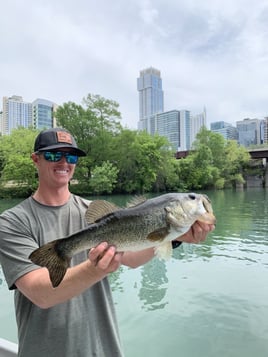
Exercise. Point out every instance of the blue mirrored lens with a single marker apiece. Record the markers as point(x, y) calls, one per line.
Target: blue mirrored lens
point(55, 156)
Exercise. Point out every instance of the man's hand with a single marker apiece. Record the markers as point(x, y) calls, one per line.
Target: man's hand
point(197, 233)
point(105, 258)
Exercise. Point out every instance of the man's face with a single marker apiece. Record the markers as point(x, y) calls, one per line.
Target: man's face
point(51, 173)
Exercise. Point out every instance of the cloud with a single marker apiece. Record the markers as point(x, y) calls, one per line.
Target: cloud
point(209, 54)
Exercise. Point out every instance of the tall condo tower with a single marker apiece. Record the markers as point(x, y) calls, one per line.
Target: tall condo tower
point(16, 113)
point(178, 126)
point(43, 114)
point(151, 95)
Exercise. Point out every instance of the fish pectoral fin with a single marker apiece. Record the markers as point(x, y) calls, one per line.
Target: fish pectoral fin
point(98, 209)
point(158, 235)
point(164, 251)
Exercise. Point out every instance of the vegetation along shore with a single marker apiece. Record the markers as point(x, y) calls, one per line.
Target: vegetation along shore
point(120, 160)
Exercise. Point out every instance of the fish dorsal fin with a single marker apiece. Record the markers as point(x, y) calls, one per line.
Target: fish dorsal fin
point(98, 209)
point(135, 201)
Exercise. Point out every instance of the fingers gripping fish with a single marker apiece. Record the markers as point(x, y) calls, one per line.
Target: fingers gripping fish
point(146, 223)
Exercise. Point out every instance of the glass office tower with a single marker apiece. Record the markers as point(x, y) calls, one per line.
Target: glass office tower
point(151, 96)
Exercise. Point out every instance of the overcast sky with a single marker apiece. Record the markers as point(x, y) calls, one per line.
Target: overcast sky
point(211, 53)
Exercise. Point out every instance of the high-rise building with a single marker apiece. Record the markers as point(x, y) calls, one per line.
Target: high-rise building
point(218, 125)
point(197, 121)
point(43, 111)
point(185, 130)
point(178, 126)
point(265, 130)
point(151, 95)
point(249, 131)
point(228, 131)
point(1, 122)
point(165, 124)
point(16, 113)
point(168, 125)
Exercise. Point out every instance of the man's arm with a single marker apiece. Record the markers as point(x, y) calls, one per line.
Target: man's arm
point(36, 285)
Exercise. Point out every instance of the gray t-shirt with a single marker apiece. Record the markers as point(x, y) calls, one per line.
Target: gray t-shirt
point(83, 326)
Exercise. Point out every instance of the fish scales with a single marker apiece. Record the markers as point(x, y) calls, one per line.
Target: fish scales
point(151, 223)
point(121, 228)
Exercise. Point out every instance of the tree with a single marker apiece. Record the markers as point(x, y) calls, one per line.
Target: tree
point(104, 178)
point(198, 169)
point(123, 157)
point(15, 153)
point(93, 126)
point(139, 160)
point(105, 110)
point(213, 162)
point(169, 177)
point(237, 159)
point(215, 143)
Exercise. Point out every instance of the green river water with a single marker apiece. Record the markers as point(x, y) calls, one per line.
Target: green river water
point(209, 300)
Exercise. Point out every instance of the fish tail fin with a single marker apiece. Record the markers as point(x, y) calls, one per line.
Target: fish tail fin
point(47, 256)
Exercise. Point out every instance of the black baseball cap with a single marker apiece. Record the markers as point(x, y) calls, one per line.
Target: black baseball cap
point(56, 138)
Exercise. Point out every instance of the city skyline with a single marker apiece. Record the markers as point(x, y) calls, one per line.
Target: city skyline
point(180, 127)
point(209, 54)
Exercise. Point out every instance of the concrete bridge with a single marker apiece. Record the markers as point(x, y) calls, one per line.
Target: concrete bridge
point(261, 153)
point(254, 153)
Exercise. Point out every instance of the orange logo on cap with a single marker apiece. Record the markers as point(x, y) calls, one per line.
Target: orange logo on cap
point(64, 137)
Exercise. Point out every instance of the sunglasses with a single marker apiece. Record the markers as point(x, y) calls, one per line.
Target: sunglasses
point(55, 156)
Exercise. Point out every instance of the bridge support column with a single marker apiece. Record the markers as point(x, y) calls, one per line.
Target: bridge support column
point(266, 173)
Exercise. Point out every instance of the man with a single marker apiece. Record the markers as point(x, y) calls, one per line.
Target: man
point(76, 319)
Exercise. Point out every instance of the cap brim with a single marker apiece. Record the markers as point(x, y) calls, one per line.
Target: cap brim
point(79, 152)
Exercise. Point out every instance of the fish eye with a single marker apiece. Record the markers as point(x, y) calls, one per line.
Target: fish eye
point(192, 196)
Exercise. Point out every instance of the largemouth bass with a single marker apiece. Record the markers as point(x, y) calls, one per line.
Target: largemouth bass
point(142, 224)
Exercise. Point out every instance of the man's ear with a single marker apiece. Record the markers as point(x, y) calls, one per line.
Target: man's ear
point(35, 157)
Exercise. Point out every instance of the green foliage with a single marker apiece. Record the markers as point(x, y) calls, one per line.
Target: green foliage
point(103, 178)
point(93, 126)
point(147, 160)
point(214, 162)
point(219, 183)
point(170, 177)
point(140, 158)
point(17, 167)
point(105, 110)
point(121, 160)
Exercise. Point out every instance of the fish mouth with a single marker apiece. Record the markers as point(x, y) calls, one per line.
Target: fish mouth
point(207, 217)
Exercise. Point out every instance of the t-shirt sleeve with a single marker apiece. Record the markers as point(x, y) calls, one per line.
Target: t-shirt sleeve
point(16, 244)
